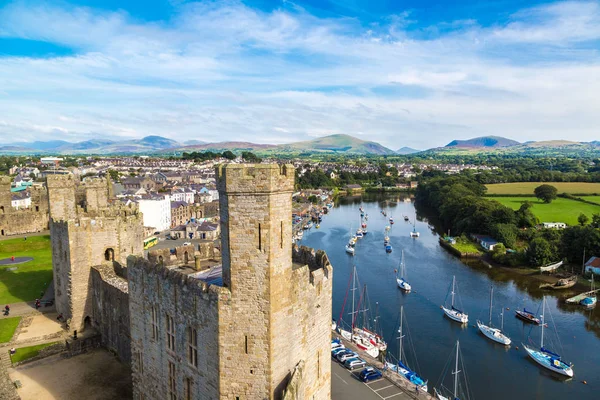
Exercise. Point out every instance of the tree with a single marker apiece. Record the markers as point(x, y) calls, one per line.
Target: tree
point(596, 220)
point(506, 233)
point(583, 219)
point(539, 252)
point(114, 175)
point(546, 193)
point(250, 157)
point(498, 252)
point(228, 154)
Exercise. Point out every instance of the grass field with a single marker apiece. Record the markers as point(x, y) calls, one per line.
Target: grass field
point(467, 247)
point(28, 352)
point(29, 279)
point(560, 210)
point(7, 328)
point(528, 187)
point(595, 199)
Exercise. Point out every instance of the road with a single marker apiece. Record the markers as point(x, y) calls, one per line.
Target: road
point(345, 385)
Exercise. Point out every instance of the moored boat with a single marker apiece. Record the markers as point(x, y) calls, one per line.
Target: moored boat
point(401, 277)
point(454, 313)
point(490, 332)
point(527, 316)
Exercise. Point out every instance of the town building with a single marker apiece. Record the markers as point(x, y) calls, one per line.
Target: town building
point(592, 266)
point(156, 211)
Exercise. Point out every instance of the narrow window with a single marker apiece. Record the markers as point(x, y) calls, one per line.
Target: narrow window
point(172, 385)
point(188, 388)
point(154, 323)
point(259, 238)
point(193, 347)
point(281, 236)
point(170, 333)
point(246, 344)
point(318, 364)
point(140, 362)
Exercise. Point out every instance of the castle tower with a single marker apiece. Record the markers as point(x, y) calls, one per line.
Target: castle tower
point(85, 238)
point(61, 196)
point(5, 195)
point(267, 329)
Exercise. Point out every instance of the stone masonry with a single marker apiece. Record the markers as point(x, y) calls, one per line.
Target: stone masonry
point(245, 335)
point(28, 220)
point(85, 232)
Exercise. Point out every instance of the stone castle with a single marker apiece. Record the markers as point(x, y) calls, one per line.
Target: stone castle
point(21, 221)
point(248, 320)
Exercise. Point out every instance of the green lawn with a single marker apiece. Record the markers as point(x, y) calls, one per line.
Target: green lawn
point(595, 199)
point(7, 328)
point(29, 279)
point(28, 352)
point(560, 210)
point(528, 187)
point(467, 247)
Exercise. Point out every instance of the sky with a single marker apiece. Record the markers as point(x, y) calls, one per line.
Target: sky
point(416, 73)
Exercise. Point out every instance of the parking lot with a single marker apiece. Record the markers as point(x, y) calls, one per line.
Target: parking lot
point(345, 384)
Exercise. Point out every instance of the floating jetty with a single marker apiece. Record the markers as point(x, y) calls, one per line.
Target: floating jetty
point(579, 297)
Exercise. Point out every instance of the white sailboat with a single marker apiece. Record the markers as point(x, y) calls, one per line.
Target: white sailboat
point(349, 249)
point(401, 277)
point(400, 367)
point(547, 358)
point(454, 313)
point(490, 332)
point(590, 300)
point(414, 233)
point(454, 395)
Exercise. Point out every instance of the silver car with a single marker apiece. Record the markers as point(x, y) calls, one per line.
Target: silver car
point(355, 362)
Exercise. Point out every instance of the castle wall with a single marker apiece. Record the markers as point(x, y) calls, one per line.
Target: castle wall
point(192, 305)
point(22, 221)
point(110, 310)
point(61, 267)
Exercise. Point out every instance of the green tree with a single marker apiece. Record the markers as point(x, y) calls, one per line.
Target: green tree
point(583, 219)
point(595, 220)
point(498, 252)
point(313, 199)
point(228, 154)
point(546, 193)
point(114, 175)
point(250, 157)
point(539, 252)
point(507, 234)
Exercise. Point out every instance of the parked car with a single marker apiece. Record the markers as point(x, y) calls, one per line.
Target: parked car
point(370, 374)
point(186, 243)
point(336, 343)
point(157, 233)
point(335, 352)
point(354, 362)
point(343, 356)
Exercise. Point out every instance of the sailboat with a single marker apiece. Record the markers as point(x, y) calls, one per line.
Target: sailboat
point(400, 367)
point(400, 278)
point(545, 357)
point(350, 249)
point(454, 395)
point(494, 334)
point(454, 313)
point(391, 220)
point(414, 233)
point(590, 301)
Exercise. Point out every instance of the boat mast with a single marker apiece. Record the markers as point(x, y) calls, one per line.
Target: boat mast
point(543, 312)
point(376, 317)
point(502, 319)
point(400, 335)
point(491, 297)
point(456, 371)
point(453, 280)
point(353, 289)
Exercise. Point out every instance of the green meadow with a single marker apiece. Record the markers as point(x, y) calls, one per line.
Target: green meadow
point(560, 210)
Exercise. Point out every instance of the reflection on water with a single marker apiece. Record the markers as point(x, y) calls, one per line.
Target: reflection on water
point(494, 372)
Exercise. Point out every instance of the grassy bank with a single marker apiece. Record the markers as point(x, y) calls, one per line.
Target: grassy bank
point(528, 187)
point(7, 328)
point(560, 210)
point(25, 353)
point(29, 279)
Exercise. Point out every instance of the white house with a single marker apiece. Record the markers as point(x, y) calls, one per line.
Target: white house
point(182, 195)
point(20, 200)
point(156, 211)
point(554, 225)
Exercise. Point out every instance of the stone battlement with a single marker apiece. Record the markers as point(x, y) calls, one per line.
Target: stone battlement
point(315, 260)
point(61, 181)
point(94, 182)
point(177, 277)
point(255, 178)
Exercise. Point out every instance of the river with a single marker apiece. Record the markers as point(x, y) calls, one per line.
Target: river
point(493, 371)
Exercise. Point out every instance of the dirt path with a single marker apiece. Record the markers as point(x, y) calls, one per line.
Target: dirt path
point(96, 375)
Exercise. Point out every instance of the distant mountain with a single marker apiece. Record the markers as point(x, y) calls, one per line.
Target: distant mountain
point(157, 142)
point(484, 141)
point(86, 145)
point(407, 150)
point(340, 143)
point(193, 142)
point(223, 146)
point(41, 145)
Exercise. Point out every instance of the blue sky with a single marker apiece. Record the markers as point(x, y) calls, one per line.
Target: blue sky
point(416, 73)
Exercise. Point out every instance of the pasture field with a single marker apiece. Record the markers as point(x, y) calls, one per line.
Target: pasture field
point(528, 187)
point(595, 199)
point(28, 280)
point(560, 210)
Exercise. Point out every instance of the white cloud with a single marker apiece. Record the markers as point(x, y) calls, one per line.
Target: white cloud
point(224, 71)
